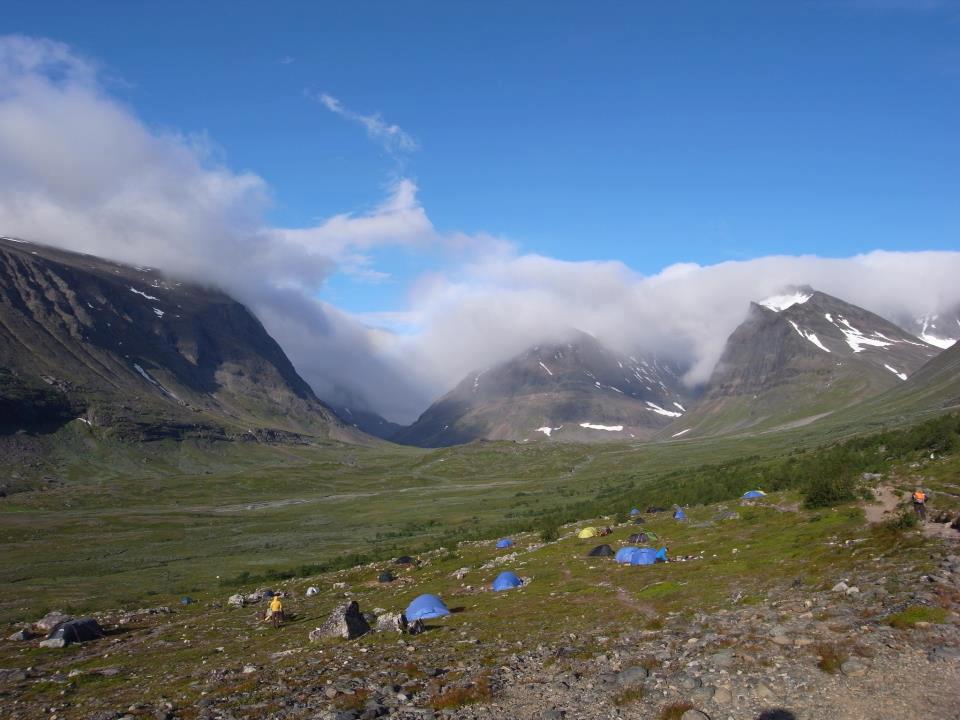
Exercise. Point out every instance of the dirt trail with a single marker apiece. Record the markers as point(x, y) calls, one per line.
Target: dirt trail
point(886, 506)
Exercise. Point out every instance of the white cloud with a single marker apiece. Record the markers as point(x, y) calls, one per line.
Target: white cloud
point(392, 137)
point(79, 170)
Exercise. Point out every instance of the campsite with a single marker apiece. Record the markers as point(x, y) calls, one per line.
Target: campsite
point(619, 633)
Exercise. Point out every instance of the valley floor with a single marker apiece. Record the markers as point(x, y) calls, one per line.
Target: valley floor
point(816, 613)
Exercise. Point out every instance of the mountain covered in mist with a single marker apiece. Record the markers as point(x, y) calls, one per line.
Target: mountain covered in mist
point(574, 390)
point(140, 355)
point(798, 357)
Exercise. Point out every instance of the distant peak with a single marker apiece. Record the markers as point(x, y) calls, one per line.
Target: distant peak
point(787, 299)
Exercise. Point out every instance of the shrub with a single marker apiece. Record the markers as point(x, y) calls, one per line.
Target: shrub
point(675, 710)
point(478, 692)
point(629, 695)
point(831, 658)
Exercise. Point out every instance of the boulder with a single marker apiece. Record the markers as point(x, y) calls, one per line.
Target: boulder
point(840, 587)
point(392, 621)
point(49, 621)
point(237, 600)
point(346, 621)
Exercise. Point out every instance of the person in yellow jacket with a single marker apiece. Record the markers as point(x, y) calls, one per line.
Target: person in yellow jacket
point(275, 610)
point(920, 504)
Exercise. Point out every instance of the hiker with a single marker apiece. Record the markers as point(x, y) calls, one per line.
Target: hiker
point(920, 504)
point(275, 611)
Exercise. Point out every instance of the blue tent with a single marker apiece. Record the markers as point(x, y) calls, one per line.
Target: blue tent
point(426, 607)
point(643, 556)
point(753, 494)
point(624, 554)
point(504, 543)
point(506, 581)
point(634, 512)
point(679, 514)
point(648, 556)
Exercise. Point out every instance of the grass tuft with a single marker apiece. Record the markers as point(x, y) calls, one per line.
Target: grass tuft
point(629, 695)
point(477, 692)
point(831, 657)
point(675, 710)
point(908, 618)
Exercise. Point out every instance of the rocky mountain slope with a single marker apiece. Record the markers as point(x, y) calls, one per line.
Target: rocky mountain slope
point(139, 354)
point(800, 356)
point(575, 390)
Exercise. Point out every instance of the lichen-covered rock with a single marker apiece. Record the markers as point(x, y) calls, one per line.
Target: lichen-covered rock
point(346, 621)
point(392, 621)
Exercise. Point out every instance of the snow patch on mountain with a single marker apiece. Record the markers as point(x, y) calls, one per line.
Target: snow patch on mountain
point(857, 339)
point(546, 368)
point(902, 376)
point(811, 336)
point(927, 333)
point(682, 432)
point(140, 292)
point(661, 411)
point(608, 428)
point(779, 303)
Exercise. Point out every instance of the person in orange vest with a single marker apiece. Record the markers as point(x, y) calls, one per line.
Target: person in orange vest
point(920, 504)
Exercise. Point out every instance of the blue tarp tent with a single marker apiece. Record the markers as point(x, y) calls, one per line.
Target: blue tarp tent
point(634, 512)
point(504, 543)
point(624, 554)
point(753, 494)
point(679, 514)
point(426, 607)
point(506, 581)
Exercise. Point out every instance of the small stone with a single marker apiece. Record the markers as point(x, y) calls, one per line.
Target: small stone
point(703, 694)
point(782, 640)
point(20, 635)
point(237, 600)
point(631, 675)
point(853, 590)
point(853, 668)
point(723, 696)
point(840, 587)
point(764, 692)
point(311, 591)
point(53, 643)
point(249, 669)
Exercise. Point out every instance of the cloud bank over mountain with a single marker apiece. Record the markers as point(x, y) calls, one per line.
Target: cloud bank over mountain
point(80, 170)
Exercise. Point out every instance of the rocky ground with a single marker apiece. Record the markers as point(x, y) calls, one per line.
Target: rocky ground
point(874, 634)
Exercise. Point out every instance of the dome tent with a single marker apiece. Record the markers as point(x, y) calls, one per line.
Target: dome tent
point(426, 607)
point(504, 543)
point(601, 551)
point(643, 556)
point(587, 532)
point(386, 576)
point(634, 512)
point(506, 581)
point(76, 631)
point(648, 556)
point(639, 538)
point(679, 514)
point(625, 553)
point(753, 494)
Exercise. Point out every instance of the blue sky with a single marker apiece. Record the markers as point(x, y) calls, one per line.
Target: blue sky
point(651, 133)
